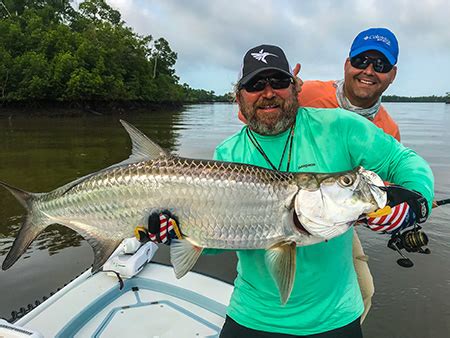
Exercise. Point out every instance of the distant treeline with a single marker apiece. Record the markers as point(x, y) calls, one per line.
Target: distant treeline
point(201, 95)
point(52, 52)
point(433, 98)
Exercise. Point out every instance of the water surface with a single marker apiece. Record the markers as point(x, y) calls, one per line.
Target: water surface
point(42, 153)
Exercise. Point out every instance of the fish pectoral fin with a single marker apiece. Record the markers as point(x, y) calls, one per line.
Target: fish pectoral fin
point(102, 251)
point(183, 256)
point(281, 262)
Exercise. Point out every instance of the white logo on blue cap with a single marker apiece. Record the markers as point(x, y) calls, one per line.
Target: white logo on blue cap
point(261, 56)
point(379, 38)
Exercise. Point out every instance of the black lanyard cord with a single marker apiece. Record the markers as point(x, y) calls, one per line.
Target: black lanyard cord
point(289, 141)
point(291, 136)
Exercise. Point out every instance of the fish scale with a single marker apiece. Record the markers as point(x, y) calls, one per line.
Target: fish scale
point(219, 205)
point(194, 192)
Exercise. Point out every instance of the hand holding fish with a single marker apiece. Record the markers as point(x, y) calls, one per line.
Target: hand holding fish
point(400, 213)
point(162, 227)
point(400, 217)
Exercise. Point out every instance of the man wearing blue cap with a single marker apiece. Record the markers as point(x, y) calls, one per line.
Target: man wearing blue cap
point(325, 300)
point(368, 72)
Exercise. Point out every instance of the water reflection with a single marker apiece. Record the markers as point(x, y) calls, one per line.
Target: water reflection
point(40, 154)
point(53, 239)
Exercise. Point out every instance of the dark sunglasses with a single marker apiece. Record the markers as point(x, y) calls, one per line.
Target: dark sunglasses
point(259, 84)
point(380, 64)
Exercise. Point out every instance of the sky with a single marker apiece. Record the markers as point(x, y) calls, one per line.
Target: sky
point(211, 37)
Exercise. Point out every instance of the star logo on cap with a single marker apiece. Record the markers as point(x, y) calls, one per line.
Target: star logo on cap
point(261, 56)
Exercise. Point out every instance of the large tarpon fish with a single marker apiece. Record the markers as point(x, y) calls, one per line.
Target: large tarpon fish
point(218, 204)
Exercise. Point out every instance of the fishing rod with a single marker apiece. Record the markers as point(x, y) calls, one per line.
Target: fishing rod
point(413, 240)
point(441, 202)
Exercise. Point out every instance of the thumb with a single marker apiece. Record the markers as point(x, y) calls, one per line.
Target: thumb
point(296, 69)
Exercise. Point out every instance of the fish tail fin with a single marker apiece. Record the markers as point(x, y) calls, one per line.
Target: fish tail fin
point(32, 226)
point(30, 229)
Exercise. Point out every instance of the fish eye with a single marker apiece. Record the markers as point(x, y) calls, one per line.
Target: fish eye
point(346, 180)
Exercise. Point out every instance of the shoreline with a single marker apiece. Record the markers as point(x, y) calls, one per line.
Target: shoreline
point(99, 108)
point(107, 108)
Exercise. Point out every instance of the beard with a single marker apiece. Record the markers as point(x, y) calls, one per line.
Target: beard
point(272, 123)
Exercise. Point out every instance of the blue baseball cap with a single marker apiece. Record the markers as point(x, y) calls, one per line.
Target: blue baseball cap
point(379, 39)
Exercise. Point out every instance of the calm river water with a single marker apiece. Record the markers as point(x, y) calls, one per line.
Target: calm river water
point(42, 153)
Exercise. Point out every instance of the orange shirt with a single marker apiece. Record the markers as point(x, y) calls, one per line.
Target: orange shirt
point(322, 94)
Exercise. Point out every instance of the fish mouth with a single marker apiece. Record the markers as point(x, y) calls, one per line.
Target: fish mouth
point(375, 182)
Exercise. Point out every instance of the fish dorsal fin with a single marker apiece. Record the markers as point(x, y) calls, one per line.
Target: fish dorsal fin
point(143, 149)
point(183, 256)
point(280, 260)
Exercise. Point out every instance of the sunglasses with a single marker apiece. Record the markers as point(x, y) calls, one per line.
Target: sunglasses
point(380, 64)
point(258, 84)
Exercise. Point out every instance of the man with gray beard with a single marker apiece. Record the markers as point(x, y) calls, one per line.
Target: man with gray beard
point(276, 122)
point(325, 300)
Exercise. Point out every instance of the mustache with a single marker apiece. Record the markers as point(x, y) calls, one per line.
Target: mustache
point(269, 102)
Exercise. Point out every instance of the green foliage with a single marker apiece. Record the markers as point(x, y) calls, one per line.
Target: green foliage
point(84, 85)
point(395, 98)
point(201, 95)
point(31, 69)
point(5, 68)
point(50, 51)
point(99, 11)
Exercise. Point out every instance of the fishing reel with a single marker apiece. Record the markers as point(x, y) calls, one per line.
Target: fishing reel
point(413, 240)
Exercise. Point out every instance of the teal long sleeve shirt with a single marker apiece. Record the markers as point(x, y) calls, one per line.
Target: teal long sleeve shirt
point(326, 293)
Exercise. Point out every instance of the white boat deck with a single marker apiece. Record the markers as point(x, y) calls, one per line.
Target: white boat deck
point(152, 304)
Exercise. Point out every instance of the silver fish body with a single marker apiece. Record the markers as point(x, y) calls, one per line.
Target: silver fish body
point(218, 204)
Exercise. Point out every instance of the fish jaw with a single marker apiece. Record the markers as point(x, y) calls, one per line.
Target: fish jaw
point(337, 201)
point(323, 231)
point(374, 182)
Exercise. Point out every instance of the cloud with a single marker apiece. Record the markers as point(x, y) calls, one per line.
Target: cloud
point(211, 37)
